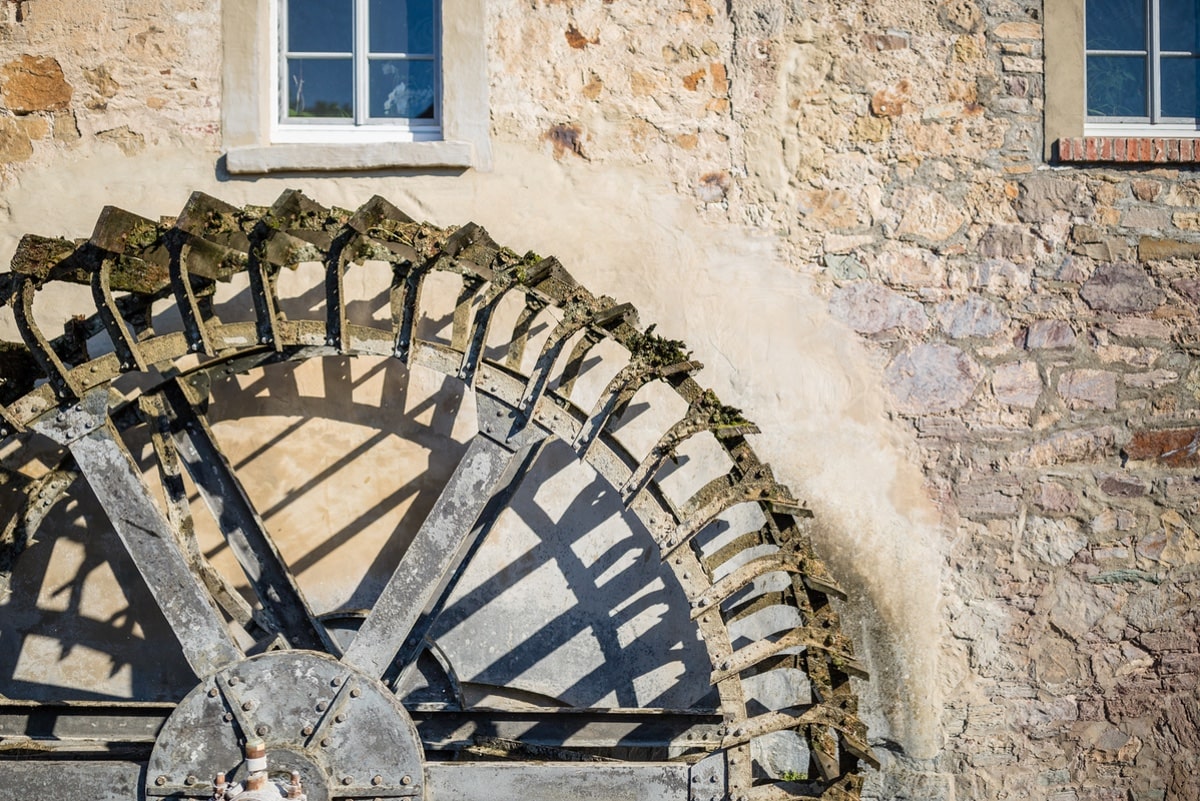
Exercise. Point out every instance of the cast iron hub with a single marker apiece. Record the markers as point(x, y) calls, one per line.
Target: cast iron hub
point(343, 731)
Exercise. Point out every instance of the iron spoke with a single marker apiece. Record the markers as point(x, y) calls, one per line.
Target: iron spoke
point(147, 535)
point(283, 605)
point(480, 486)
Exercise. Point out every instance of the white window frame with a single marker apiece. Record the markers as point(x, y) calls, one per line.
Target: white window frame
point(1155, 125)
point(252, 139)
point(362, 127)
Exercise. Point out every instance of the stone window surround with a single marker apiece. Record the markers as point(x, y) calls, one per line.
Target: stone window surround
point(247, 113)
point(1066, 139)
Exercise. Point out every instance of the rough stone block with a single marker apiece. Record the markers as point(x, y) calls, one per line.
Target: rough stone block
point(34, 83)
point(927, 215)
point(1008, 242)
point(1189, 288)
point(1017, 384)
point(1123, 486)
point(1073, 445)
point(1053, 497)
point(1154, 379)
point(1049, 334)
point(932, 378)
point(985, 498)
point(1179, 447)
point(1044, 196)
point(1122, 288)
point(970, 317)
point(1053, 542)
point(1088, 389)
point(1152, 248)
point(870, 308)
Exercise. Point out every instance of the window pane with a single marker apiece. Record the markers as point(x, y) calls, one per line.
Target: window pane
point(402, 26)
point(1116, 86)
point(320, 87)
point(1178, 20)
point(1179, 79)
point(320, 26)
point(1116, 24)
point(402, 89)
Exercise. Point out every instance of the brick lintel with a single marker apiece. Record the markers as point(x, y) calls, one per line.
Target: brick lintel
point(1129, 150)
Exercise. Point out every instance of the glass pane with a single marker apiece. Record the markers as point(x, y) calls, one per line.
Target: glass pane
point(1116, 86)
point(403, 89)
point(1180, 77)
point(320, 26)
point(1116, 24)
point(1178, 20)
point(402, 26)
point(320, 87)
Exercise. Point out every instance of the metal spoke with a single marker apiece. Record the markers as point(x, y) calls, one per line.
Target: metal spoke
point(145, 532)
point(456, 521)
point(283, 605)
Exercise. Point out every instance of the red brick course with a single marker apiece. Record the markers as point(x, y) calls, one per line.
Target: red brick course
point(1128, 150)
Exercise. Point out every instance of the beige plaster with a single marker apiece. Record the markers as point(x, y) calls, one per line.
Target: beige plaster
point(1064, 71)
point(766, 338)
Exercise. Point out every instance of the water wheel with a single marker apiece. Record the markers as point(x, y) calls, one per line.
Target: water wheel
point(331, 504)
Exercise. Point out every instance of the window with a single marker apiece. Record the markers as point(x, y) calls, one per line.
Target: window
point(1143, 61)
point(317, 85)
point(346, 63)
point(1121, 81)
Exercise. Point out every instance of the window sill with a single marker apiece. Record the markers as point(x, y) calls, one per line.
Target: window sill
point(348, 157)
point(1128, 150)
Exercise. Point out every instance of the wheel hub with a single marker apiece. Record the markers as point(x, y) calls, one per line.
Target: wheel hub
point(341, 730)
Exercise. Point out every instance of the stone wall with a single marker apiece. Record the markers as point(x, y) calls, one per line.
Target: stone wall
point(1035, 329)
point(978, 366)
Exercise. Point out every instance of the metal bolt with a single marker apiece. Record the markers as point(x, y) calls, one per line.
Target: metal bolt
point(377, 780)
point(347, 780)
point(325, 742)
point(712, 779)
point(337, 681)
point(262, 730)
point(306, 731)
point(247, 705)
point(339, 719)
point(322, 706)
point(190, 780)
point(212, 692)
point(160, 781)
point(406, 780)
point(228, 716)
point(355, 692)
point(234, 680)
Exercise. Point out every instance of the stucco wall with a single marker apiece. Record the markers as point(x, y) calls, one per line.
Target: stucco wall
point(961, 354)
